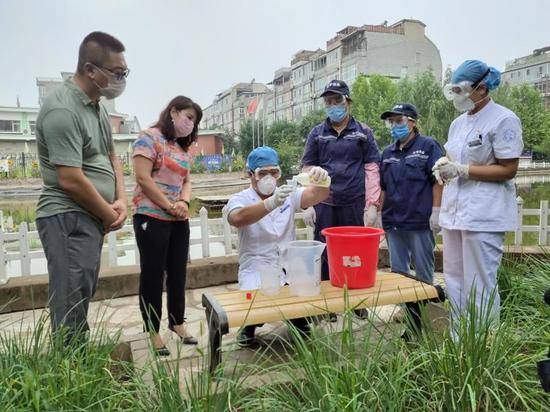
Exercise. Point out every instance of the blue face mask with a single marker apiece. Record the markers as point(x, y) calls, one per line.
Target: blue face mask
point(336, 113)
point(399, 132)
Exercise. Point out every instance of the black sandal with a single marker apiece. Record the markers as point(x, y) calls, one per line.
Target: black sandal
point(164, 351)
point(187, 339)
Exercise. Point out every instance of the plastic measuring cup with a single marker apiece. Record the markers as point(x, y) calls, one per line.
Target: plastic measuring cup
point(303, 266)
point(270, 278)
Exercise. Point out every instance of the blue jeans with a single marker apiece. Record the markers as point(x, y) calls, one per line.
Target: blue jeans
point(415, 245)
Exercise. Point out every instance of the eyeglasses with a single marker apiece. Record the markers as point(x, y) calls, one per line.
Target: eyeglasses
point(334, 100)
point(397, 121)
point(119, 74)
point(463, 88)
point(457, 89)
point(273, 171)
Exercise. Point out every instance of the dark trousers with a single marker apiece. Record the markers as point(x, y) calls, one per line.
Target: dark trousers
point(330, 216)
point(72, 244)
point(163, 248)
point(300, 324)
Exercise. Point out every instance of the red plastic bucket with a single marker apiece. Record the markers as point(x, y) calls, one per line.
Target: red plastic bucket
point(352, 255)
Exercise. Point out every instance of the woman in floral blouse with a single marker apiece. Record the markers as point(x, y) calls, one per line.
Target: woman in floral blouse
point(161, 216)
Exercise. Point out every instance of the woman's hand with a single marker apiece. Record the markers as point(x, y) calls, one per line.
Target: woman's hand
point(180, 210)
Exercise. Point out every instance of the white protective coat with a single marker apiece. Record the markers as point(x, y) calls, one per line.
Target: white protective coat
point(474, 214)
point(262, 243)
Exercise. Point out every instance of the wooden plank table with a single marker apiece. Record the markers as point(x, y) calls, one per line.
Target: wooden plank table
point(233, 309)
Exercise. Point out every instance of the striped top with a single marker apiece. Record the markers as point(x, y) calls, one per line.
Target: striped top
point(171, 170)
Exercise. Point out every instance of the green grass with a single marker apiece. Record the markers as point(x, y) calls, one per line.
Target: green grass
point(485, 369)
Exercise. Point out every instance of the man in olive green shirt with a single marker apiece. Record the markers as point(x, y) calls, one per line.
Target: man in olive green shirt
point(83, 195)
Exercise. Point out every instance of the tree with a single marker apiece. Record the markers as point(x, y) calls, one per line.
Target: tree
point(245, 138)
point(526, 102)
point(246, 135)
point(229, 143)
point(372, 96)
point(282, 130)
point(435, 112)
point(290, 154)
point(308, 122)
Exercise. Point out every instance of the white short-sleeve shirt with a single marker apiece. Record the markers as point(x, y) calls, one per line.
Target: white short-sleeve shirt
point(479, 139)
point(264, 241)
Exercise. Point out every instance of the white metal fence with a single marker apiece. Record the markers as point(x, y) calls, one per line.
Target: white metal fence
point(541, 228)
point(23, 246)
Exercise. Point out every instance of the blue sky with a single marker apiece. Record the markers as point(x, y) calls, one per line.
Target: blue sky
point(198, 48)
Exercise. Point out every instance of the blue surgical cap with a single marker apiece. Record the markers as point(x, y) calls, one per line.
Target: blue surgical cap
point(476, 71)
point(261, 157)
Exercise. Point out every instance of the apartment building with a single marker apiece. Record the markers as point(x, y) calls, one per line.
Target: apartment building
point(533, 69)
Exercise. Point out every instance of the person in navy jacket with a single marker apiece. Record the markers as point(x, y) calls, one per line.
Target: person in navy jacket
point(347, 150)
point(411, 196)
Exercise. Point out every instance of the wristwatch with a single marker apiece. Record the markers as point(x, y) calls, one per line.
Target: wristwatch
point(185, 201)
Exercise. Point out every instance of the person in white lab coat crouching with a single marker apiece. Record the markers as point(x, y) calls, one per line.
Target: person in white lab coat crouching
point(264, 215)
point(479, 199)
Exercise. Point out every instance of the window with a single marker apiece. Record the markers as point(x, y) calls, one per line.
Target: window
point(308, 69)
point(319, 85)
point(332, 57)
point(297, 113)
point(32, 125)
point(320, 63)
point(319, 104)
point(349, 73)
point(528, 72)
point(10, 126)
point(306, 91)
point(540, 70)
point(404, 71)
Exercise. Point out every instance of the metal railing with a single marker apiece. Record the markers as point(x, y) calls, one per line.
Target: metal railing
point(24, 246)
point(535, 165)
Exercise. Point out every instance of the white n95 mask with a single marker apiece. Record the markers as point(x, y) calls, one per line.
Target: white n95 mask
point(267, 185)
point(463, 103)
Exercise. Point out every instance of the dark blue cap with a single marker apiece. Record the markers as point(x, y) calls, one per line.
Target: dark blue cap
point(404, 109)
point(338, 87)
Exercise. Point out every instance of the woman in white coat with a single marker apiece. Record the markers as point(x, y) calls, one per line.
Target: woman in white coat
point(479, 199)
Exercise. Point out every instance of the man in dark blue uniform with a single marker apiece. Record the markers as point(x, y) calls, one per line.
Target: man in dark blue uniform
point(347, 150)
